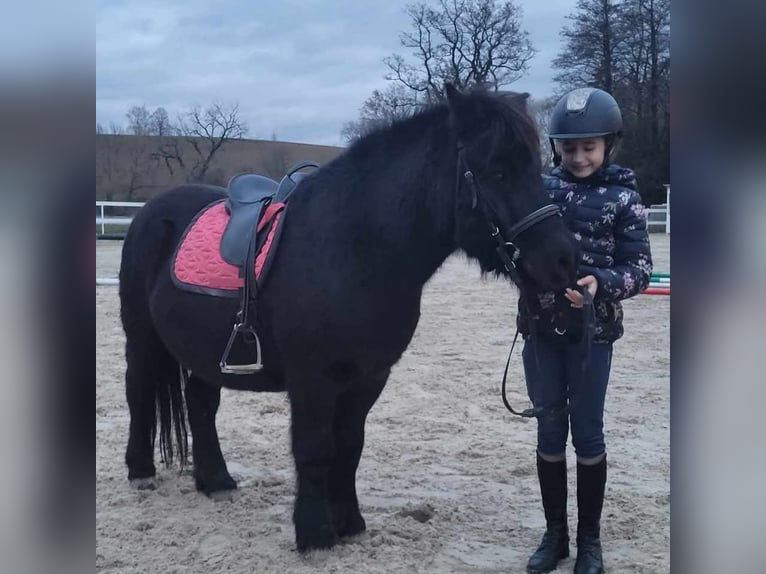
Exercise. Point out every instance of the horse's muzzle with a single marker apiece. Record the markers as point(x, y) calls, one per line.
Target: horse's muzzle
point(552, 266)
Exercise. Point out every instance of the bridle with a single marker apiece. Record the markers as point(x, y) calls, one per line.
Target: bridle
point(507, 250)
point(509, 254)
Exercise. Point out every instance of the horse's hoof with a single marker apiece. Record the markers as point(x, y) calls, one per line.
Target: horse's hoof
point(353, 528)
point(215, 484)
point(147, 483)
point(324, 539)
point(350, 525)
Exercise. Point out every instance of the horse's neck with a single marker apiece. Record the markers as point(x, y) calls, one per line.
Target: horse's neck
point(411, 206)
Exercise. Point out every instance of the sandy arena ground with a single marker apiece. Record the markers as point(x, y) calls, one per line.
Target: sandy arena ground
point(439, 441)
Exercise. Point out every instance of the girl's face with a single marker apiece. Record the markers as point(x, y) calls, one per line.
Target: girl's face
point(582, 158)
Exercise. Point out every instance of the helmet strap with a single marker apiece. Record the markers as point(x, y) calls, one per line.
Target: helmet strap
point(556, 154)
point(612, 147)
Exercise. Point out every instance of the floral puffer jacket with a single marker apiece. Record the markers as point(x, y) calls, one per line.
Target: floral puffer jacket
point(605, 214)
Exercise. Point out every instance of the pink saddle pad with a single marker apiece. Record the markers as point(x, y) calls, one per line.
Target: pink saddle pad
point(198, 265)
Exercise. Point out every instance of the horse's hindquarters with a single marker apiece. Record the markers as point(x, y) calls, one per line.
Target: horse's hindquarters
point(193, 327)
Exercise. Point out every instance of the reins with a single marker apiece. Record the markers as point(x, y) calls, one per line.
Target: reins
point(555, 410)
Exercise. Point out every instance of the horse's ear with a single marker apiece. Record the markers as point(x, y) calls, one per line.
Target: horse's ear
point(459, 109)
point(518, 100)
point(522, 99)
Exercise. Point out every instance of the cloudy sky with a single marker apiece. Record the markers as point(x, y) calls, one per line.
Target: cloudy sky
point(298, 68)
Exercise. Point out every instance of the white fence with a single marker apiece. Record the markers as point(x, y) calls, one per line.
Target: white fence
point(657, 215)
point(103, 218)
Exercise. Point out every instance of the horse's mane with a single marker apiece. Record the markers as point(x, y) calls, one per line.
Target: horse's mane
point(507, 113)
point(412, 123)
point(512, 123)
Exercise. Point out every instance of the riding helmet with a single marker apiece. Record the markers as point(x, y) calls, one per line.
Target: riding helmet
point(584, 113)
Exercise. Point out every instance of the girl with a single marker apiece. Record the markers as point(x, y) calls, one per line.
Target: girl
point(602, 208)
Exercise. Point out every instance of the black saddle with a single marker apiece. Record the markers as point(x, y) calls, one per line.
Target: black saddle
point(249, 196)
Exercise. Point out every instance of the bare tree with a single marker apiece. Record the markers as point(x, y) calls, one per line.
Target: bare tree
point(142, 122)
point(645, 92)
point(159, 123)
point(124, 165)
point(139, 121)
point(591, 41)
point(140, 166)
point(540, 110)
point(206, 132)
point(466, 42)
point(380, 109)
point(112, 129)
point(170, 153)
point(646, 60)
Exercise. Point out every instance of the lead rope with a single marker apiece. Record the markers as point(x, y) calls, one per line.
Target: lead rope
point(553, 411)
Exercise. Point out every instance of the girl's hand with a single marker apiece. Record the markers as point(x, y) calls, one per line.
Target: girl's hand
point(575, 297)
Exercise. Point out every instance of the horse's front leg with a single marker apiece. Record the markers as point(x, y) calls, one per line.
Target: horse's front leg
point(312, 406)
point(350, 416)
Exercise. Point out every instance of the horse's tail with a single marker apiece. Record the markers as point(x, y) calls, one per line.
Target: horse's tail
point(171, 410)
point(155, 384)
point(155, 381)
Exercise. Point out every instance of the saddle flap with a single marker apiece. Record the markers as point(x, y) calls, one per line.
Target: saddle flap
point(240, 231)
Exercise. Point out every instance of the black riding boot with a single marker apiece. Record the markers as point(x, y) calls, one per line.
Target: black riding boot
point(555, 544)
point(591, 480)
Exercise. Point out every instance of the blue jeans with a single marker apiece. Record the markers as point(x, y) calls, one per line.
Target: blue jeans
point(554, 373)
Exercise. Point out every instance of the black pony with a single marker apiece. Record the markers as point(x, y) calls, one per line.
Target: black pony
point(361, 237)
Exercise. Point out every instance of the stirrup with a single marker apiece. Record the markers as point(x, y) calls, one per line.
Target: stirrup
point(244, 369)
